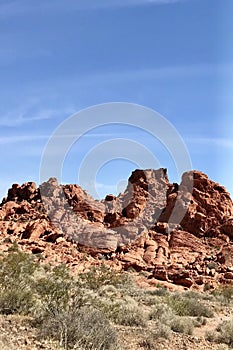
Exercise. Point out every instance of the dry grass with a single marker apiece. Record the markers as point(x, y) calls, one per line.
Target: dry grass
point(84, 313)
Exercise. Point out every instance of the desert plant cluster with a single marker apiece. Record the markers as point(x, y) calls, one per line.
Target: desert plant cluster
point(101, 309)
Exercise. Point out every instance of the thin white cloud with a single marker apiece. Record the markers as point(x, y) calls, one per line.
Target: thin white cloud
point(18, 120)
point(22, 7)
point(25, 115)
point(6, 140)
point(146, 74)
point(25, 138)
point(127, 3)
point(157, 73)
point(12, 119)
point(211, 141)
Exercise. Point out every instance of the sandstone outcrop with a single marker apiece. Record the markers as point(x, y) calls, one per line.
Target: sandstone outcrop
point(181, 234)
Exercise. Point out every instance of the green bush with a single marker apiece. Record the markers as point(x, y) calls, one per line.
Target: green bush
point(16, 278)
point(161, 312)
point(189, 307)
point(159, 291)
point(76, 328)
point(211, 336)
point(160, 331)
point(192, 294)
point(58, 302)
point(54, 287)
point(225, 330)
point(101, 276)
point(108, 291)
point(16, 267)
point(200, 321)
point(224, 293)
point(127, 315)
point(131, 316)
point(182, 325)
point(16, 301)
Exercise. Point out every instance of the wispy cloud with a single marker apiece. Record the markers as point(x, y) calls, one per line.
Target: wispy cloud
point(126, 3)
point(17, 8)
point(6, 140)
point(29, 114)
point(147, 74)
point(211, 141)
point(13, 119)
point(153, 73)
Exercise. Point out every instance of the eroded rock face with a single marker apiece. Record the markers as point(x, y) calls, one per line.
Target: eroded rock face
point(27, 191)
point(208, 206)
point(179, 234)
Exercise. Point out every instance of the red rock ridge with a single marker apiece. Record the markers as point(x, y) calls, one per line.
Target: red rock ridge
point(142, 228)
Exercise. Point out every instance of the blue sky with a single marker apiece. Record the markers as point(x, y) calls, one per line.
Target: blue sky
point(58, 57)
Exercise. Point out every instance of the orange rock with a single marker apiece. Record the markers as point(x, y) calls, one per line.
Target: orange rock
point(139, 228)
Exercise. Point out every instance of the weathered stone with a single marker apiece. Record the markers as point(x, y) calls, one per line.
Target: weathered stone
point(141, 228)
point(227, 228)
point(228, 275)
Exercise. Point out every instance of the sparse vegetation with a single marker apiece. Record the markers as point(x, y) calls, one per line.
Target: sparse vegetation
point(84, 312)
point(160, 331)
point(128, 315)
point(182, 325)
point(77, 327)
point(185, 306)
point(224, 294)
point(162, 312)
point(102, 276)
point(200, 321)
point(16, 271)
point(225, 332)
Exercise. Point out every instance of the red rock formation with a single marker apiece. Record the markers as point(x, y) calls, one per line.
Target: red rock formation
point(179, 234)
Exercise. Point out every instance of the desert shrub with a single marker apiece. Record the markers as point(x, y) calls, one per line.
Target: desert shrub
point(208, 297)
point(192, 294)
point(200, 321)
point(160, 331)
point(159, 291)
point(154, 296)
point(223, 347)
point(16, 301)
point(189, 307)
point(16, 267)
point(207, 287)
point(182, 325)
point(211, 335)
point(16, 277)
point(132, 290)
point(79, 328)
point(224, 293)
point(225, 332)
point(108, 291)
point(54, 287)
point(130, 316)
point(149, 300)
point(127, 314)
point(101, 276)
point(161, 312)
